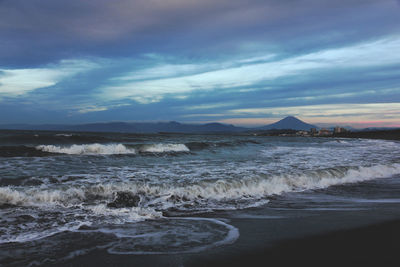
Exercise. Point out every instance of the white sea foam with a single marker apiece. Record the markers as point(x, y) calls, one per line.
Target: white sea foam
point(211, 193)
point(89, 204)
point(88, 149)
point(40, 197)
point(98, 192)
point(163, 148)
point(130, 214)
point(207, 233)
point(37, 233)
point(110, 149)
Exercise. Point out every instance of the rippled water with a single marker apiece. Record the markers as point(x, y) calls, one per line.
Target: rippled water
point(141, 194)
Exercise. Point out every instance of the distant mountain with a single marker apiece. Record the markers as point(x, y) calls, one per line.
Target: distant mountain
point(136, 127)
point(289, 122)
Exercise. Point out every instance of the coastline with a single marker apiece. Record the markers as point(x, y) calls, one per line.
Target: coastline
point(334, 238)
point(378, 134)
point(349, 223)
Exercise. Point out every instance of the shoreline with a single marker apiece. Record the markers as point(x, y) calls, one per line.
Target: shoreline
point(300, 226)
point(378, 134)
point(372, 134)
point(329, 239)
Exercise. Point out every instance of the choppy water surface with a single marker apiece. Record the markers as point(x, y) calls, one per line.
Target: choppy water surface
point(65, 194)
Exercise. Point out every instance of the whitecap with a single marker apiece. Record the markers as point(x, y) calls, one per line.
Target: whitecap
point(163, 148)
point(88, 149)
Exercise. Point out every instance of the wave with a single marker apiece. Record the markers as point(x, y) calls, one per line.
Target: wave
point(113, 149)
point(43, 150)
point(88, 149)
point(201, 195)
point(163, 148)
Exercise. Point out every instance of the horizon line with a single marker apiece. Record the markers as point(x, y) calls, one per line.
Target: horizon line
point(349, 124)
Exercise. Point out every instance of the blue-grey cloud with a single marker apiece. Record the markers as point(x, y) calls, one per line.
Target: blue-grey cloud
point(99, 60)
point(42, 31)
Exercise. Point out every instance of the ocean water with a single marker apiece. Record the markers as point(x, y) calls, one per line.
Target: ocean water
point(66, 194)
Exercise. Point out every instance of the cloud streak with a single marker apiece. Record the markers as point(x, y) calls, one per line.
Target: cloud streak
point(150, 85)
point(16, 82)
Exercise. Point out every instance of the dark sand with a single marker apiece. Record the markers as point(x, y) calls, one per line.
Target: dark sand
point(375, 245)
point(334, 238)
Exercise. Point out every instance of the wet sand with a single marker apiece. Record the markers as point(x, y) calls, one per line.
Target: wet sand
point(375, 245)
point(343, 238)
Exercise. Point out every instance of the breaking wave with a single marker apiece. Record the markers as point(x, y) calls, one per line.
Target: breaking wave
point(163, 148)
point(88, 149)
point(44, 149)
point(113, 149)
point(200, 195)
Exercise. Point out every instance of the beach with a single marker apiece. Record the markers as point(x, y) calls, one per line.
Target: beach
point(196, 200)
point(361, 241)
point(373, 245)
point(358, 235)
point(175, 133)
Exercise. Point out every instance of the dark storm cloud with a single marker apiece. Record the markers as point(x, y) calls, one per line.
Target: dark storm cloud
point(40, 31)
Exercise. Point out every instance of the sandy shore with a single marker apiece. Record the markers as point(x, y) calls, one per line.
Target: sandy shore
point(374, 245)
point(331, 239)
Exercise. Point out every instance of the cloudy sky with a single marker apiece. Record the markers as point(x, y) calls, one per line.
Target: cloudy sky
point(245, 62)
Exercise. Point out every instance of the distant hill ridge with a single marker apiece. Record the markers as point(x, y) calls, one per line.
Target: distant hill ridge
point(289, 122)
point(134, 127)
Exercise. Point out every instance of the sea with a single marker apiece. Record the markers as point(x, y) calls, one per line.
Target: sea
point(66, 194)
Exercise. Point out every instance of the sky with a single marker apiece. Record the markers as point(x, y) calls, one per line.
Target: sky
point(242, 62)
